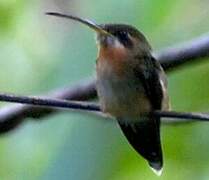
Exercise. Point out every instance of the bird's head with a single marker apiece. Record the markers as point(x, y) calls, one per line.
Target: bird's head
point(115, 37)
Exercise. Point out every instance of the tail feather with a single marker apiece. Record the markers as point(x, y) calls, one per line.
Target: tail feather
point(144, 136)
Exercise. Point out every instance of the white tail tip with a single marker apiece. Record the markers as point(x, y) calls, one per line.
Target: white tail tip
point(157, 172)
point(156, 167)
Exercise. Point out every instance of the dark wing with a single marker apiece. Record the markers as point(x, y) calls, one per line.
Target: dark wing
point(149, 75)
point(144, 135)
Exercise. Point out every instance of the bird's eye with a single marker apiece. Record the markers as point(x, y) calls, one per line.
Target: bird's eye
point(123, 36)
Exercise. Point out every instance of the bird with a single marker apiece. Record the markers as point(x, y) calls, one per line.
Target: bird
point(130, 84)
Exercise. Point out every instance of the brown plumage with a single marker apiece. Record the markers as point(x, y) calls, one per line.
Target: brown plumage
point(130, 84)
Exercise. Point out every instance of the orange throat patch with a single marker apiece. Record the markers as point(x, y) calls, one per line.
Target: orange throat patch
point(116, 57)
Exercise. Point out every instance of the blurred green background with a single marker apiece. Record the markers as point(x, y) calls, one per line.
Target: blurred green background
point(39, 53)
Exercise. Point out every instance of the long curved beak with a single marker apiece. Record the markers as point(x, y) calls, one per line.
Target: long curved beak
point(87, 22)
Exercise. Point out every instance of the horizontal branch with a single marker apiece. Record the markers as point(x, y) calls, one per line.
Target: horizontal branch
point(49, 103)
point(87, 106)
point(12, 116)
point(187, 116)
point(170, 58)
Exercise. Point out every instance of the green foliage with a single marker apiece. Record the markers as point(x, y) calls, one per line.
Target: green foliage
point(40, 53)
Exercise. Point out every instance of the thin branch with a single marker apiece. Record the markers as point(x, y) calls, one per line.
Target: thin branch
point(49, 102)
point(12, 116)
point(187, 116)
point(171, 58)
point(87, 106)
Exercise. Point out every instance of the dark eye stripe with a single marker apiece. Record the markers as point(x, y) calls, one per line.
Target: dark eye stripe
point(123, 37)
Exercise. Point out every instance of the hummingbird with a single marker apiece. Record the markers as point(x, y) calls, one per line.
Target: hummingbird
point(130, 84)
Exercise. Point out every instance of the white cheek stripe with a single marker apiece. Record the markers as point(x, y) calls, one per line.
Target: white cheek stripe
point(112, 42)
point(118, 45)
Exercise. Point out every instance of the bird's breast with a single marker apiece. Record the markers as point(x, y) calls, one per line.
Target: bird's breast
point(115, 57)
point(119, 92)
